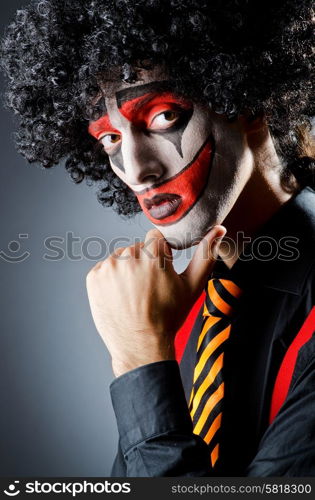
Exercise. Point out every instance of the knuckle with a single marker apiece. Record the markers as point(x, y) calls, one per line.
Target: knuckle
point(116, 252)
point(128, 251)
point(153, 233)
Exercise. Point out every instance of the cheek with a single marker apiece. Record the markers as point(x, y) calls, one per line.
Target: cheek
point(188, 185)
point(117, 161)
point(174, 150)
point(230, 141)
point(155, 154)
point(196, 132)
point(120, 172)
point(231, 170)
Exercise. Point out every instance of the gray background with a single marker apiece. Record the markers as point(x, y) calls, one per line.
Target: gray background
point(56, 417)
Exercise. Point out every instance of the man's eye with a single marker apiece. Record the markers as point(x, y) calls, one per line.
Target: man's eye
point(110, 141)
point(164, 120)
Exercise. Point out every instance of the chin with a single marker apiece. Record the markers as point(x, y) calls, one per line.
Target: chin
point(191, 229)
point(177, 244)
point(180, 238)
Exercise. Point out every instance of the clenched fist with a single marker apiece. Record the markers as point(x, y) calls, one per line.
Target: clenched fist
point(138, 301)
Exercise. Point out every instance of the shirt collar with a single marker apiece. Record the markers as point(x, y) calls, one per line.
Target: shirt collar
point(289, 236)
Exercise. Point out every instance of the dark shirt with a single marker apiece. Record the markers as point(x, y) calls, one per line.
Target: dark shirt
point(150, 402)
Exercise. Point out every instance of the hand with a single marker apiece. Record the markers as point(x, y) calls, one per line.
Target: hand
point(138, 301)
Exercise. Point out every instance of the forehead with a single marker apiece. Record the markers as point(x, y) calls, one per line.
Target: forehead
point(134, 102)
point(133, 92)
point(144, 77)
point(128, 99)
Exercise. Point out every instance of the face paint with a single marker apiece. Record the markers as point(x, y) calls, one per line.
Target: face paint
point(142, 112)
point(130, 93)
point(165, 115)
point(102, 127)
point(181, 160)
point(168, 202)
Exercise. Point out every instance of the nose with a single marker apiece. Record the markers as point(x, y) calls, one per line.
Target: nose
point(141, 160)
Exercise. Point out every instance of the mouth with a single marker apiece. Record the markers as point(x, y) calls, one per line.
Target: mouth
point(162, 205)
point(168, 202)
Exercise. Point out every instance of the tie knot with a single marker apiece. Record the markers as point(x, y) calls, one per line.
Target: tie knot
point(221, 298)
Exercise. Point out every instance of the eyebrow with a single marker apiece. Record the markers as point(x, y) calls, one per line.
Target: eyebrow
point(97, 127)
point(130, 93)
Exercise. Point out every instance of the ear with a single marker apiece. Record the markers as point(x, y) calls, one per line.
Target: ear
point(256, 130)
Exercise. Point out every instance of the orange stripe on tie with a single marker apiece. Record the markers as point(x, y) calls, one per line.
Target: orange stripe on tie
point(219, 303)
point(212, 320)
point(215, 454)
point(231, 287)
point(210, 404)
point(216, 424)
point(205, 406)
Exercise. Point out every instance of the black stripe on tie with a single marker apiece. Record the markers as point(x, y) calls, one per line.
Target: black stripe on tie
point(213, 415)
point(225, 294)
point(208, 393)
point(213, 310)
point(207, 367)
point(213, 331)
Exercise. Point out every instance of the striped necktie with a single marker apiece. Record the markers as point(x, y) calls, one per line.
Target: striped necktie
point(206, 400)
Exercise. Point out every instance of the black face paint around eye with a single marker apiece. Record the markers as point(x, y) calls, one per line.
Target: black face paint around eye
point(137, 91)
point(117, 160)
point(175, 133)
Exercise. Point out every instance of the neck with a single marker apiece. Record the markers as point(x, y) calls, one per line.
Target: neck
point(260, 199)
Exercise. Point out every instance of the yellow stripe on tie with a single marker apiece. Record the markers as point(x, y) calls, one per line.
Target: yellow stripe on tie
point(210, 404)
point(216, 367)
point(191, 397)
point(211, 347)
point(212, 320)
point(206, 399)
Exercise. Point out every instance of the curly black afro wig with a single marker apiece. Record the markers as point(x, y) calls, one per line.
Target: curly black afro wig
point(239, 56)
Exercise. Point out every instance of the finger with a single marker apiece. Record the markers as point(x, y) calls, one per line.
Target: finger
point(204, 258)
point(118, 252)
point(137, 249)
point(134, 250)
point(124, 253)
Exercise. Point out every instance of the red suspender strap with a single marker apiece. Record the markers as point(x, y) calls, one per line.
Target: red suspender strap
point(286, 370)
point(183, 333)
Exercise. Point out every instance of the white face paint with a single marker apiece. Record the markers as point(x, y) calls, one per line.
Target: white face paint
point(186, 164)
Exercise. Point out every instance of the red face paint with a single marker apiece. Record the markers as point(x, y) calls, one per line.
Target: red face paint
point(97, 128)
point(139, 111)
point(183, 189)
point(188, 184)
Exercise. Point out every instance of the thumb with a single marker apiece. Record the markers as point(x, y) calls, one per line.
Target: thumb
point(156, 246)
point(203, 259)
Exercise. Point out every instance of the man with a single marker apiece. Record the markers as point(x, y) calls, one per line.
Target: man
point(199, 113)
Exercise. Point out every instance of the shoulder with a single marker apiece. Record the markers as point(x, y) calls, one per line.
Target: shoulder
point(306, 206)
point(292, 228)
point(300, 222)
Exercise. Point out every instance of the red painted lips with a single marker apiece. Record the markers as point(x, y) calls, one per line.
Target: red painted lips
point(167, 202)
